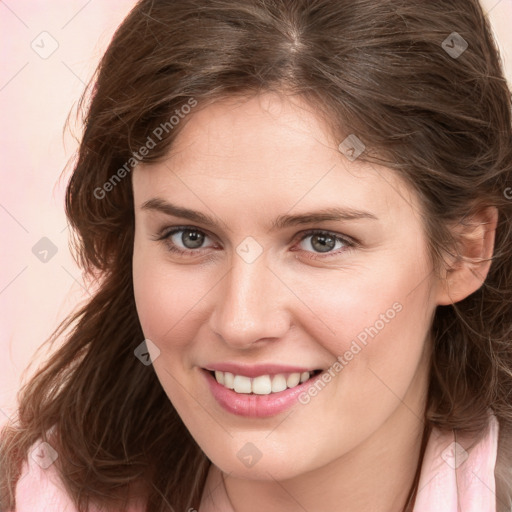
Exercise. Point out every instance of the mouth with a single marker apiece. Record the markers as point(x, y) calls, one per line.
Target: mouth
point(263, 384)
point(259, 396)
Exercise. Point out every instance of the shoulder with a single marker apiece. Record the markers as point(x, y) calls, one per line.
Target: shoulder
point(459, 472)
point(40, 486)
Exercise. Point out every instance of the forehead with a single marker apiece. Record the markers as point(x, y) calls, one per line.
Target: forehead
point(267, 151)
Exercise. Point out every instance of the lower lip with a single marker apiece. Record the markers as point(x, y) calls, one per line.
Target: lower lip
point(256, 406)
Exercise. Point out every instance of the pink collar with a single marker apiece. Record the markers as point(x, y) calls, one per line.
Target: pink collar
point(456, 476)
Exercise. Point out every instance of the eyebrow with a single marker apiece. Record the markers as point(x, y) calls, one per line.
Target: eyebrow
point(282, 221)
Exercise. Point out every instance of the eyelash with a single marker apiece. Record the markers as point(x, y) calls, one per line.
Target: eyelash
point(165, 235)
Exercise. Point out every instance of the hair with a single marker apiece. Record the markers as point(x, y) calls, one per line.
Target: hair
point(376, 69)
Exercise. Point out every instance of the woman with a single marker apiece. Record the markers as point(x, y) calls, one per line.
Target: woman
point(297, 217)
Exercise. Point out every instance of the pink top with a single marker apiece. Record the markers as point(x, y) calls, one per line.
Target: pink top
point(452, 479)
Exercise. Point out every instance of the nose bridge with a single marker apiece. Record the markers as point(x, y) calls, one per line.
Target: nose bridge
point(250, 303)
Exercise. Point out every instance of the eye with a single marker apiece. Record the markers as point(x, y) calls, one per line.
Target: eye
point(324, 242)
point(189, 241)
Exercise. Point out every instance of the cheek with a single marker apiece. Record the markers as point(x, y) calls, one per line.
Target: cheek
point(375, 325)
point(154, 305)
point(168, 301)
point(380, 302)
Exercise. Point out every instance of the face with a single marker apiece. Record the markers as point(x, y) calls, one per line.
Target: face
point(264, 291)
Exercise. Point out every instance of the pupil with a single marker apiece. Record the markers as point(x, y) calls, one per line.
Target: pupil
point(323, 247)
point(192, 237)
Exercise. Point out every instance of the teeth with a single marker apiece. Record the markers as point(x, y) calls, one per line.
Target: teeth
point(228, 380)
point(262, 385)
point(278, 383)
point(293, 379)
point(242, 384)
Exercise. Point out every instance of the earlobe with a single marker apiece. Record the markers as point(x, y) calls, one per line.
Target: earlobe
point(468, 268)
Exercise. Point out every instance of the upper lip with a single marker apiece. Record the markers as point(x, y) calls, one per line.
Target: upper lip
point(258, 369)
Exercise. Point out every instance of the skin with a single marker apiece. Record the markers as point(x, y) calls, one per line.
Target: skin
point(355, 446)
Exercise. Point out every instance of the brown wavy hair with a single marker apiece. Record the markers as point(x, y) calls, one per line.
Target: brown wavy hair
point(375, 68)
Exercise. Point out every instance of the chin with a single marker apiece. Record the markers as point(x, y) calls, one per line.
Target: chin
point(260, 461)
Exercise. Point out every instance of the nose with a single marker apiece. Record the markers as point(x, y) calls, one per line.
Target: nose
point(251, 304)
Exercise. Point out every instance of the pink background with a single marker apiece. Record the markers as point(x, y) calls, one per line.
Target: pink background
point(38, 89)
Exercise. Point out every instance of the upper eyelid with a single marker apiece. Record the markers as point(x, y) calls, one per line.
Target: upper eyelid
point(165, 232)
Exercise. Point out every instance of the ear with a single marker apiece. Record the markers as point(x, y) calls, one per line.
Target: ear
point(465, 272)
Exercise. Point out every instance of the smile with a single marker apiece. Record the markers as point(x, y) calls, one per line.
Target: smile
point(260, 396)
